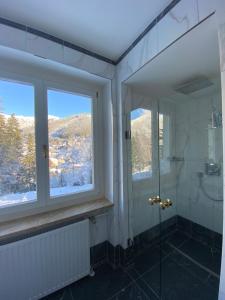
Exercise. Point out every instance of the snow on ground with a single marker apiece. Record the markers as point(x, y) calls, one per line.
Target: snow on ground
point(19, 198)
point(142, 175)
point(55, 192)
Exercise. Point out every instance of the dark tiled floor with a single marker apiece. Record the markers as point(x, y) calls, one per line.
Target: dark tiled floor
point(181, 277)
point(145, 260)
point(133, 291)
point(206, 256)
point(178, 283)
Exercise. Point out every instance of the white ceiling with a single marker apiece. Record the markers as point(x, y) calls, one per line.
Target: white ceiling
point(196, 54)
point(105, 27)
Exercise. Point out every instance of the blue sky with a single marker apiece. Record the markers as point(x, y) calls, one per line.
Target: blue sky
point(19, 99)
point(137, 113)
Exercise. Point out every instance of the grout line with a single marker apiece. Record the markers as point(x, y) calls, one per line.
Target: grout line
point(215, 249)
point(195, 262)
point(121, 290)
point(71, 294)
point(140, 276)
point(153, 244)
point(135, 281)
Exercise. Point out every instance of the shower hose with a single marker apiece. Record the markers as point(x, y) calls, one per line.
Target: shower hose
point(205, 193)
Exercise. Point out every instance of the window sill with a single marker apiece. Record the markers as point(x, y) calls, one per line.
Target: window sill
point(28, 226)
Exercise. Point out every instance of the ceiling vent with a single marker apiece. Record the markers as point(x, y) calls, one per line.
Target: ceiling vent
point(193, 85)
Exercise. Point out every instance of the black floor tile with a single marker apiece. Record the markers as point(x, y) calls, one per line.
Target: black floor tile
point(177, 239)
point(204, 293)
point(177, 283)
point(174, 240)
point(67, 295)
point(203, 234)
point(102, 286)
point(147, 289)
point(184, 225)
point(202, 254)
point(132, 292)
point(218, 241)
point(98, 253)
point(190, 266)
point(146, 260)
point(214, 282)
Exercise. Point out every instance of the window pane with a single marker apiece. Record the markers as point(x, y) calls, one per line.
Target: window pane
point(141, 143)
point(164, 143)
point(70, 143)
point(17, 144)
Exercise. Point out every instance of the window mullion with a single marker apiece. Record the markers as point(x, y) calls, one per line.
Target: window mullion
point(42, 143)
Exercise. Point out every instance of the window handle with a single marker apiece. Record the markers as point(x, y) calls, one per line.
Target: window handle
point(45, 151)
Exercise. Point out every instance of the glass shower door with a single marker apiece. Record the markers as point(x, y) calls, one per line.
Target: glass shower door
point(191, 193)
point(144, 193)
point(176, 193)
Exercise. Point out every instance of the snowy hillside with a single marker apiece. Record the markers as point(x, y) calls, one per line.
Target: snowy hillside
point(25, 121)
point(70, 156)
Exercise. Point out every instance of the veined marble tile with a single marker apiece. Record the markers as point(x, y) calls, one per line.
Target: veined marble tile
point(21, 40)
point(222, 46)
point(179, 20)
point(12, 37)
point(90, 64)
point(44, 48)
point(205, 8)
point(144, 51)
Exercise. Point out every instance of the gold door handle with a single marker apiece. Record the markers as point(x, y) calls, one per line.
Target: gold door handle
point(165, 203)
point(154, 200)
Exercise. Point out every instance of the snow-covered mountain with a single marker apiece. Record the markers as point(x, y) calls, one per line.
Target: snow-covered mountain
point(25, 121)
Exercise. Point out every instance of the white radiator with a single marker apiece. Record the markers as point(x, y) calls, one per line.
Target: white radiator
point(39, 265)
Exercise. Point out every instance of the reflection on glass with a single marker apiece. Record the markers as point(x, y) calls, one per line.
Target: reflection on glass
point(164, 143)
point(70, 143)
point(141, 143)
point(17, 144)
point(211, 144)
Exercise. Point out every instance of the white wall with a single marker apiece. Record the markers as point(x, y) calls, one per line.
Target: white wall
point(193, 121)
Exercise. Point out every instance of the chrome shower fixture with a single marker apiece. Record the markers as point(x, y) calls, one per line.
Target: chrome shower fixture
point(212, 169)
point(193, 85)
point(216, 118)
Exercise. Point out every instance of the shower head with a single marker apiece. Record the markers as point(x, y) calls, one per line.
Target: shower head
point(193, 85)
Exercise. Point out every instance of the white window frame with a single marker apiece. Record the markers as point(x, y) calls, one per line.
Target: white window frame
point(44, 202)
point(95, 134)
point(148, 177)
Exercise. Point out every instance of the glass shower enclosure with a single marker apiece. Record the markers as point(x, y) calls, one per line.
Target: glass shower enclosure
point(175, 163)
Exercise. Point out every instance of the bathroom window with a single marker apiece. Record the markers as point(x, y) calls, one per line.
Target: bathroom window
point(141, 143)
point(17, 143)
point(164, 143)
point(70, 135)
point(50, 144)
